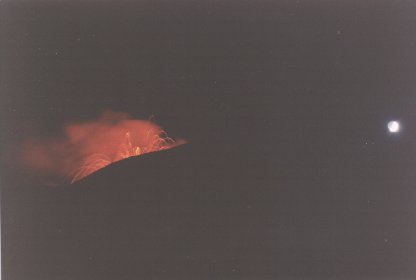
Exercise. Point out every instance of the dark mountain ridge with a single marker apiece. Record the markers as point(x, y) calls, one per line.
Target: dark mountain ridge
point(184, 213)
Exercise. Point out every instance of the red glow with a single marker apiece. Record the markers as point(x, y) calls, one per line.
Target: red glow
point(90, 146)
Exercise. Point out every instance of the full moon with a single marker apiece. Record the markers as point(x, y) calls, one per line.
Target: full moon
point(393, 126)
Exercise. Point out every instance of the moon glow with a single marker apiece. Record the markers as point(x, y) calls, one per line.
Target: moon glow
point(393, 126)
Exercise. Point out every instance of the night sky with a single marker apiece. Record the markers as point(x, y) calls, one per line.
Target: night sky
point(301, 91)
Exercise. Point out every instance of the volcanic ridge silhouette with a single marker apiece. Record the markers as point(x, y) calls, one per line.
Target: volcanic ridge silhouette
point(184, 213)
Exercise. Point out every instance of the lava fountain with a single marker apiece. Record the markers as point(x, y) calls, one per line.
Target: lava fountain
point(94, 162)
point(89, 146)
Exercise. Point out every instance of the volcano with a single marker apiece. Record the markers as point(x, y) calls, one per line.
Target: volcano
point(184, 213)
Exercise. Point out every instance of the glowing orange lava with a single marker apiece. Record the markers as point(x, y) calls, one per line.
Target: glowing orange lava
point(89, 146)
point(92, 163)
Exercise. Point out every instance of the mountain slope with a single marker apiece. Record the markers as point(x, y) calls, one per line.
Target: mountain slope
point(188, 214)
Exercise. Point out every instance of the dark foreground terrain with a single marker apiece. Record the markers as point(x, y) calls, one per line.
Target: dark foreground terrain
point(224, 215)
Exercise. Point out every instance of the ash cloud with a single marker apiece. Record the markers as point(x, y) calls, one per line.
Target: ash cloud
point(85, 147)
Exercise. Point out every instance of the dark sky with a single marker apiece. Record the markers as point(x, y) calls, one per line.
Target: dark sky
point(309, 82)
point(310, 85)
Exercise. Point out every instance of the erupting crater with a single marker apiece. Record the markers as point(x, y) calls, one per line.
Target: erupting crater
point(89, 146)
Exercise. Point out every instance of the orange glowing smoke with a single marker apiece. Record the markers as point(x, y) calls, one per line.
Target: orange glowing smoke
point(89, 146)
